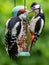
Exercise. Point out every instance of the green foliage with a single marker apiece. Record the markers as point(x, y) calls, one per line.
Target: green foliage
point(40, 51)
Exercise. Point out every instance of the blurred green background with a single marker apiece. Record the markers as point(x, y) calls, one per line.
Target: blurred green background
point(40, 51)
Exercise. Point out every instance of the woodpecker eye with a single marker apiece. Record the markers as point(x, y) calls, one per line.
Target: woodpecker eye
point(33, 8)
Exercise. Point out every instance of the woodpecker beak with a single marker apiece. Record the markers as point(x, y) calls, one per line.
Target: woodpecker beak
point(31, 10)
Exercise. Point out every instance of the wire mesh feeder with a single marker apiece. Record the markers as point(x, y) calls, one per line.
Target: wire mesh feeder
point(22, 42)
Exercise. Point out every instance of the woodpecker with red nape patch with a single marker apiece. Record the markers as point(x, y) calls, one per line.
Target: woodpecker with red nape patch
point(37, 23)
point(12, 31)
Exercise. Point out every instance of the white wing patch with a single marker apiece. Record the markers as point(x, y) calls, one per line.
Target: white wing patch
point(14, 29)
point(42, 24)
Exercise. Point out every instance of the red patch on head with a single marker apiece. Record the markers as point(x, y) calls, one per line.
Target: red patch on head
point(22, 10)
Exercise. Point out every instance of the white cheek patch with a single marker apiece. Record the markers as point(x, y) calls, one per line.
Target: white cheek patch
point(22, 16)
point(37, 6)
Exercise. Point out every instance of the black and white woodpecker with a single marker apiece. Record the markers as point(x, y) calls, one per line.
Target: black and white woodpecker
point(36, 23)
point(12, 31)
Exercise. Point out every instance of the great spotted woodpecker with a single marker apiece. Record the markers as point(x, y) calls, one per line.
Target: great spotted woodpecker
point(12, 31)
point(36, 23)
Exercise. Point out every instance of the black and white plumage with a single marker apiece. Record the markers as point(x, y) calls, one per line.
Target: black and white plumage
point(13, 28)
point(37, 22)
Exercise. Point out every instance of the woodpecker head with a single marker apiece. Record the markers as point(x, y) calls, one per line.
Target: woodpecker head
point(35, 7)
point(21, 11)
point(21, 15)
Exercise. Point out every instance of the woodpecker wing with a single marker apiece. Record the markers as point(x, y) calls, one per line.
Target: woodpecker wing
point(36, 27)
point(13, 27)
